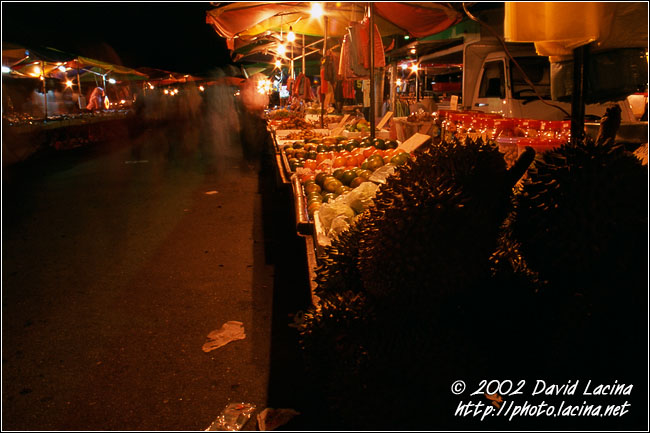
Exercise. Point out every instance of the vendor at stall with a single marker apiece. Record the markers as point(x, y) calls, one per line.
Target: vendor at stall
point(96, 100)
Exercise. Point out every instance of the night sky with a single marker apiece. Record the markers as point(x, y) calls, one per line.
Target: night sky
point(169, 36)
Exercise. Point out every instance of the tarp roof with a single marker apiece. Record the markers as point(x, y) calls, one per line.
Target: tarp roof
point(417, 19)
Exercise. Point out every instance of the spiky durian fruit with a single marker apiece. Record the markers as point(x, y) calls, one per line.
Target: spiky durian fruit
point(581, 218)
point(334, 337)
point(435, 223)
point(337, 271)
point(581, 223)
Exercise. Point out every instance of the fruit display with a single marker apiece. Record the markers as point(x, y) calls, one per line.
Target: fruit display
point(358, 125)
point(292, 123)
point(328, 169)
point(305, 134)
point(281, 113)
point(420, 116)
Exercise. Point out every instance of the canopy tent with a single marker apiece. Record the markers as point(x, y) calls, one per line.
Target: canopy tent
point(161, 77)
point(245, 21)
point(46, 62)
point(50, 62)
point(241, 19)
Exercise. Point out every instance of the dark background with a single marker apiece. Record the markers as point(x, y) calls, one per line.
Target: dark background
point(169, 36)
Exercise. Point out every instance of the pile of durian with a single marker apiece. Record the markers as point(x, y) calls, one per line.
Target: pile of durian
point(461, 271)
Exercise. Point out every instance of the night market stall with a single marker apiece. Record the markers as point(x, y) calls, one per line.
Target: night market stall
point(487, 247)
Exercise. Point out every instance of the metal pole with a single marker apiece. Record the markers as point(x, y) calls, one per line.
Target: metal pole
point(372, 70)
point(303, 55)
point(322, 99)
point(393, 85)
point(578, 98)
point(80, 94)
point(44, 87)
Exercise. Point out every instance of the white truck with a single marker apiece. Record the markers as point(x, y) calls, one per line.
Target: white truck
point(492, 83)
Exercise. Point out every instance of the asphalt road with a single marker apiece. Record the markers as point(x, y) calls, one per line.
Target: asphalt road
point(119, 260)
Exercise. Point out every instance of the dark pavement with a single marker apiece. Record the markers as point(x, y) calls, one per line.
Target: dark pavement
point(117, 264)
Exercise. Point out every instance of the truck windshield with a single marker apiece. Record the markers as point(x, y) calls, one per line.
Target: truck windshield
point(537, 69)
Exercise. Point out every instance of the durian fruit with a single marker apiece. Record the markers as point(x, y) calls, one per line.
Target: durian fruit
point(581, 219)
point(581, 224)
point(334, 336)
point(435, 223)
point(337, 271)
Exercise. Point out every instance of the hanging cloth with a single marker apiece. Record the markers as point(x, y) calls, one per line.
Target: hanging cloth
point(348, 89)
point(302, 88)
point(364, 36)
point(331, 63)
point(357, 51)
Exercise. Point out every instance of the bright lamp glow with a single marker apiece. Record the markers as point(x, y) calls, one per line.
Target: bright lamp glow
point(201, 88)
point(36, 71)
point(6, 70)
point(112, 81)
point(398, 82)
point(68, 83)
point(264, 86)
point(414, 67)
point(291, 36)
point(316, 10)
point(166, 92)
point(282, 50)
point(278, 63)
point(404, 66)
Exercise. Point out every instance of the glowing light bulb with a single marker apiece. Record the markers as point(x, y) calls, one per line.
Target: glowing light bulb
point(412, 50)
point(414, 67)
point(112, 81)
point(278, 64)
point(68, 83)
point(282, 50)
point(316, 10)
point(5, 69)
point(398, 82)
point(404, 66)
point(201, 88)
point(37, 70)
point(291, 36)
point(62, 68)
point(166, 92)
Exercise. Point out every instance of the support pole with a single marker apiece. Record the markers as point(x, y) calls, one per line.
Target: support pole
point(80, 94)
point(580, 55)
point(322, 99)
point(373, 120)
point(44, 88)
point(303, 55)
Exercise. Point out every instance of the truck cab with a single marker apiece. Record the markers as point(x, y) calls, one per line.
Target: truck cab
point(493, 83)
